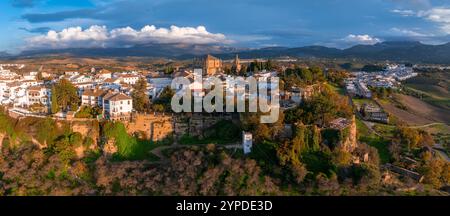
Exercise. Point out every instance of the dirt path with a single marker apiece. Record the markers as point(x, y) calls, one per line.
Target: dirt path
point(36, 142)
point(427, 125)
point(442, 154)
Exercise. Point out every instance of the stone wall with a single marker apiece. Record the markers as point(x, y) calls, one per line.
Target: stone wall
point(153, 127)
point(87, 129)
point(350, 142)
point(2, 136)
point(196, 124)
point(309, 91)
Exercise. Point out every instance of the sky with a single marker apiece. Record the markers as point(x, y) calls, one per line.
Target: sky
point(56, 24)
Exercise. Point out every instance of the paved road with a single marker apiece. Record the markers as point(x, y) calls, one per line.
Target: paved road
point(442, 154)
point(439, 149)
point(427, 125)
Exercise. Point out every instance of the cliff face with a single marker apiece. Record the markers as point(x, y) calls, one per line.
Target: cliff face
point(2, 136)
point(87, 129)
point(350, 141)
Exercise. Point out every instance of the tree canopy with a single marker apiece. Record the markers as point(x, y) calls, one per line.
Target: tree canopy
point(64, 96)
point(141, 100)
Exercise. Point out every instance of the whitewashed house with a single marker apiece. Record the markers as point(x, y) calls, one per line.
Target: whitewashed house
point(117, 106)
point(39, 95)
point(30, 76)
point(247, 142)
point(129, 79)
point(93, 97)
point(81, 79)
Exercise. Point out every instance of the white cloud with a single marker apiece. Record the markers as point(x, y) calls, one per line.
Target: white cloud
point(418, 4)
point(361, 39)
point(405, 13)
point(100, 36)
point(439, 15)
point(409, 33)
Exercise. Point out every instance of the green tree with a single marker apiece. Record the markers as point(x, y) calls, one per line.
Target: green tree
point(169, 70)
point(341, 158)
point(269, 65)
point(54, 101)
point(315, 139)
point(306, 75)
point(66, 95)
point(324, 108)
point(141, 101)
point(164, 100)
point(435, 170)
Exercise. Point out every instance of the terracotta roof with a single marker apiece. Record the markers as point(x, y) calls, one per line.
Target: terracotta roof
point(111, 80)
point(35, 88)
point(340, 123)
point(128, 75)
point(13, 84)
point(118, 97)
point(94, 93)
point(104, 71)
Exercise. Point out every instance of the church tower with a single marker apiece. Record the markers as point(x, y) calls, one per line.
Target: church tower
point(237, 64)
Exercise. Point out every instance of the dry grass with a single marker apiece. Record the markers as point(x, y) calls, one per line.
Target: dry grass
point(418, 112)
point(423, 109)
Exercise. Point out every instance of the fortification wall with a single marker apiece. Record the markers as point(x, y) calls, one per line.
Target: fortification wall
point(351, 142)
point(154, 127)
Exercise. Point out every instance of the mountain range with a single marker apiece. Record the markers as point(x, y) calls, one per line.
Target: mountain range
point(406, 51)
point(4, 54)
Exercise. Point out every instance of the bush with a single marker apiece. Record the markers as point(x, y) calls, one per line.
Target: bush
point(128, 147)
point(88, 112)
point(223, 132)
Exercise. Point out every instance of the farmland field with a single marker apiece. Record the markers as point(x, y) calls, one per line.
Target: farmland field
point(423, 109)
point(431, 87)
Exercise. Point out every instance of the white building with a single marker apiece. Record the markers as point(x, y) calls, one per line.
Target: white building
point(16, 95)
point(30, 76)
point(93, 97)
point(82, 86)
point(157, 85)
point(129, 79)
point(29, 83)
point(247, 142)
point(71, 73)
point(38, 95)
point(103, 75)
point(80, 79)
point(117, 106)
point(363, 90)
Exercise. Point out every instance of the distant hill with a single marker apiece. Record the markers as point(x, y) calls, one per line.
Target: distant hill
point(4, 54)
point(409, 51)
point(146, 50)
point(392, 51)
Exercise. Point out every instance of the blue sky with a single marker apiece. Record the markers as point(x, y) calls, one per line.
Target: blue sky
point(241, 23)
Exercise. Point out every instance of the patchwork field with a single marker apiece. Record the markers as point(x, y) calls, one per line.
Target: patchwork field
point(421, 108)
point(416, 112)
point(432, 87)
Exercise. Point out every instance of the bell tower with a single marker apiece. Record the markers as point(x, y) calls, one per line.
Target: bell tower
point(237, 64)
